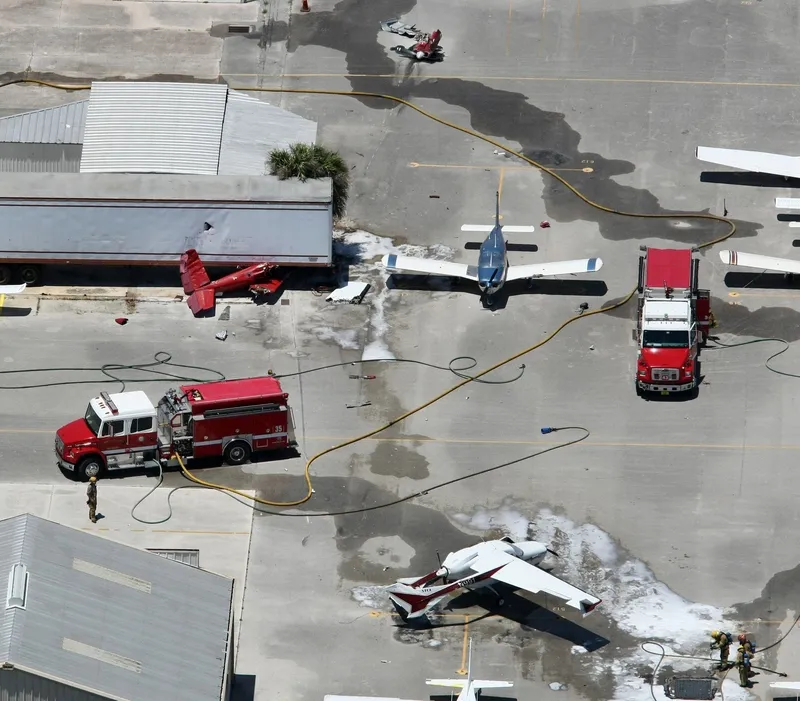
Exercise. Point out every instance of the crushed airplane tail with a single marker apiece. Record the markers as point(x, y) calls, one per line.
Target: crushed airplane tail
point(411, 602)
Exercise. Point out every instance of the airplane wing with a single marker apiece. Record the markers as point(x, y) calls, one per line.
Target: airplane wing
point(563, 267)
point(428, 266)
point(752, 260)
point(754, 161)
point(485, 228)
point(517, 573)
point(12, 289)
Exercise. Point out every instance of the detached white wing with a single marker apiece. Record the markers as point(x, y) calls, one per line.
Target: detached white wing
point(752, 260)
point(516, 573)
point(486, 228)
point(428, 266)
point(12, 289)
point(563, 267)
point(754, 161)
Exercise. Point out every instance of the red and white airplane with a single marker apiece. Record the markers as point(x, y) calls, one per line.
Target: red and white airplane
point(12, 289)
point(481, 565)
point(787, 266)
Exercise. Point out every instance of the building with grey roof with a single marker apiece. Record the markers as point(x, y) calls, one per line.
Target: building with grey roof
point(89, 619)
point(143, 127)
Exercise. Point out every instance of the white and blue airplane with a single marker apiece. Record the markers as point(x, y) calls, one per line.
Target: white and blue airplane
point(470, 688)
point(493, 269)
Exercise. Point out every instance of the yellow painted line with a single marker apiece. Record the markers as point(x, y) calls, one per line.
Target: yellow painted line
point(530, 79)
point(157, 530)
point(788, 294)
point(2, 302)
point(540, 444)
point(414, 164)
point(500, 185)
point(464, 648)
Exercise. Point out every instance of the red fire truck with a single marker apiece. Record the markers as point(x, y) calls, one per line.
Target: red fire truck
point(673, 322)
point(229, 419)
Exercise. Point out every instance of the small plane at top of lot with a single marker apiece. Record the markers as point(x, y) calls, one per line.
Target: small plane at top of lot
point(12, 289)
point(513, 564)
point(493, 269)
point(753, 161)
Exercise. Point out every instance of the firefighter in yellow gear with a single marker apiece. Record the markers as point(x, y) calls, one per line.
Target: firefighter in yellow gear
point(91, 499)
point(721, 641)
point(743, 663)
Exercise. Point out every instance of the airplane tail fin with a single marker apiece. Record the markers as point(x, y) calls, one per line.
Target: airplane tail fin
point(193, 272)
point(411, 603)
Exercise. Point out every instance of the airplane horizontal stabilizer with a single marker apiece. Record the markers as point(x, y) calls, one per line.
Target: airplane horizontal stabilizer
point(202, 300)
point(486, 228)
point(412, 603)
point(753, 260)
point(12, 289)
point(193, 272)
point(454, 683)
point(486, 684)
point(753, 161)
point(563, 267)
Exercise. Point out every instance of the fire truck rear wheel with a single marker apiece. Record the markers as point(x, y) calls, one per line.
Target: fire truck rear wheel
point(30, 274)
point(90, 467)
point(237, 453)
point(5, 274)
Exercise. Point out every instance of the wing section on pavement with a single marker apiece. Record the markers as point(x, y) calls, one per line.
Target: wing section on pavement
point(521, 575)
point(754, 161)
point(428, 266)
point(562, 267)
point(12, 289)
point(752, 260)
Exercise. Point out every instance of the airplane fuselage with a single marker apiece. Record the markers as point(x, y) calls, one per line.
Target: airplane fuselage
point(492, 262)
point(456, 566)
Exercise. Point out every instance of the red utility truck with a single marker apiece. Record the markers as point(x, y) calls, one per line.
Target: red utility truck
point(673, 323)
point(229, 419)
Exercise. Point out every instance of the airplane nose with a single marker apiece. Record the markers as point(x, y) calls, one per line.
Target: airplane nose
point(532, 550)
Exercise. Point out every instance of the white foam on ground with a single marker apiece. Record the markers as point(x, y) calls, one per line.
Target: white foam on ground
point(631, 596)
point(511, 522)
point(364, 249)
point(345, 338)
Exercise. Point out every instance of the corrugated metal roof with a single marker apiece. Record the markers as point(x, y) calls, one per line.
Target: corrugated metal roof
point(253, 129)
point(40, 158)
point(162, 188)
point(153, 128)
point(53, 125)
point(111, 618)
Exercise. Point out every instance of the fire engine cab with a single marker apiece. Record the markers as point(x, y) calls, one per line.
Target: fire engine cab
point(230, 419)
point(673, 322)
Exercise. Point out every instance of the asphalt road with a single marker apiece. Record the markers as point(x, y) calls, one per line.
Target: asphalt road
point(672, 510)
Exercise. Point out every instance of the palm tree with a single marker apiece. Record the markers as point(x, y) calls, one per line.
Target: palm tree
point(304, 161)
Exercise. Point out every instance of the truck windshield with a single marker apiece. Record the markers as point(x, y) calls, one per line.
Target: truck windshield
point(665, 339)
point(92, 420)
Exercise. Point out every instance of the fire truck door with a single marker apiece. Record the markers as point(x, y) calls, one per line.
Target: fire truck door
point(114, 441)
point(141, 435)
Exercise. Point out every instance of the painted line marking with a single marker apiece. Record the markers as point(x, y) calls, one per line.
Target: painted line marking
point(508, 25)
point(788, 294)
point(414, 164)
point(157, 530)
point(541, 444)
point(2, 302)
point(530, 79)
point(465, 646)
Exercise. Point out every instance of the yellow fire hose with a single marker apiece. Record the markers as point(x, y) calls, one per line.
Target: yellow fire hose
point(364, 436)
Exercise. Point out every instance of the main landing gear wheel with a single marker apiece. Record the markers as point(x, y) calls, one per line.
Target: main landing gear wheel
point(89, 467)
point(237, 453)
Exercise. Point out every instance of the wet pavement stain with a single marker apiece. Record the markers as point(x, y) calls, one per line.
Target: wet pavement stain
point(352, 28)
point(398, 461)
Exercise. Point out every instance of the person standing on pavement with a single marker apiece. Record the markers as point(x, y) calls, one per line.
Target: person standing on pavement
point(721, 641)
point(91, 499)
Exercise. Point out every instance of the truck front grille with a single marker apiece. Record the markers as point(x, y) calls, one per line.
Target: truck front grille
point(665, 374)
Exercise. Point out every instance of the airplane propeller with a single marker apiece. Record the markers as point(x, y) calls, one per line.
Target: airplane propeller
point(553, 552)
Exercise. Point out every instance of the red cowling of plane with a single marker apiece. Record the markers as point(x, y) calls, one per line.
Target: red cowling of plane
point(259, 278)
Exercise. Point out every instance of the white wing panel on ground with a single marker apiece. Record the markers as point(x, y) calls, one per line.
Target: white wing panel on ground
point(12, 289)
point(487, 684)
point(562, 267)
point(521, 575)
point(754, 161)
point(753, 260)
point(427, 266)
